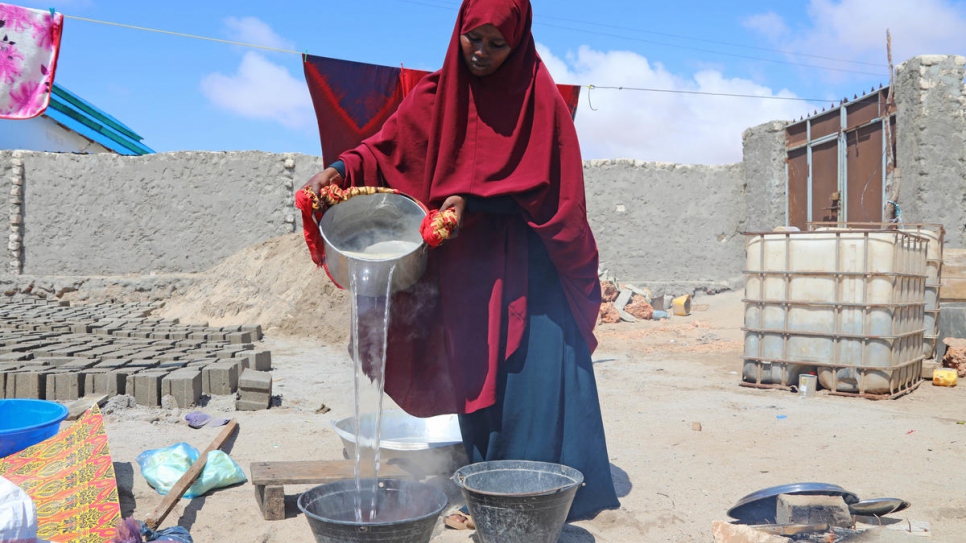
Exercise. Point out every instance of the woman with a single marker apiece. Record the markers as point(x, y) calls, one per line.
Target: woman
point(500, 328)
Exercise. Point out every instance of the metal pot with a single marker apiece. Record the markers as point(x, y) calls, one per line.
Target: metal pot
point(375, 234)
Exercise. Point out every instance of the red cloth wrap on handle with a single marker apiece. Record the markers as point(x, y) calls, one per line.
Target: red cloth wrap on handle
point(438, 226)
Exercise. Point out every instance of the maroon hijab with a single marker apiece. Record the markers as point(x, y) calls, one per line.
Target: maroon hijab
point(506, 134)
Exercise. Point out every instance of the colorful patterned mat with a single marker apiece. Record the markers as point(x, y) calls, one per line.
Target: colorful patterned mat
point(70, 477)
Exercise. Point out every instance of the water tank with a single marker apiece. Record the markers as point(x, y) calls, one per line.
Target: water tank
point(844, 303)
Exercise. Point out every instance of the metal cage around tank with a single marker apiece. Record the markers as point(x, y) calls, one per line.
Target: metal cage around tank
point(847, 304)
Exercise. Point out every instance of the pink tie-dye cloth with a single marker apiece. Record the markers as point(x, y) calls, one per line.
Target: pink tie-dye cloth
point(28, 57)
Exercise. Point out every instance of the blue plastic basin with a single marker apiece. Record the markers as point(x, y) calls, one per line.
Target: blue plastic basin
point(27, 422)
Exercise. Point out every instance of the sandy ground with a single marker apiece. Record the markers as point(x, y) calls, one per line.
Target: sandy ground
point(658, 381)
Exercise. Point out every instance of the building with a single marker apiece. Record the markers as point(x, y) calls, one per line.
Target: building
point(70, 124)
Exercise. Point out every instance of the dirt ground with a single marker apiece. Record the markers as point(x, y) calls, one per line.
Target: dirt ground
point(685, 440)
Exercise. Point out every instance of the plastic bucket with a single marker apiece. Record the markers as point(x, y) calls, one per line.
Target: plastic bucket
point(407, 511)
point(512, 501)
point(682, 305)
point(27, 422)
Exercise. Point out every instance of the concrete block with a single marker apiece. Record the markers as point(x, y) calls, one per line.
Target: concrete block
point(236, 338)
point(725, 532)
point(254, 397)
point(255, 329)
point(146, 388)
point(15, 356)
point(929, 366)
point(79, 364)
point(256, 381)
point(805, 509)
point(257, 360)
point(64, 386)
point(246, 405)
point(108, 381)
point(54, 362)
point(3, 385)
point(220, 378)
point(184, 385)
point(27, 384)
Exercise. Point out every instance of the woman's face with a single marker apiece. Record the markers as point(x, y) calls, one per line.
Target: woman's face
point(484, 50)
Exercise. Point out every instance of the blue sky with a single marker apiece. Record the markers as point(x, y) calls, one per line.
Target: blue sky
point(187, 94)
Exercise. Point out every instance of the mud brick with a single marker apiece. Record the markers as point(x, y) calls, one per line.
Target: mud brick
point(146, 387)
point(220, 378)
point(65, 386)
point(105, 381)
point(804, 509)
point(27, 384)
point(184, 385)
point(257, 360)
point(248, 405)
point(236, 338)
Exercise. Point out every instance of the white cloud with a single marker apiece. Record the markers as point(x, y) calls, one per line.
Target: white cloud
point(662, 126)
point(769, 24)
point(261, 89)
point(856, 29)
point(255, 31)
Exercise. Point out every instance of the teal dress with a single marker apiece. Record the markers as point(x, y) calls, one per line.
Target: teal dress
point(547, 407)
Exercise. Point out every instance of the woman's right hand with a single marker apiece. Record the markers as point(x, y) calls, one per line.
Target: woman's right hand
point(328, 176)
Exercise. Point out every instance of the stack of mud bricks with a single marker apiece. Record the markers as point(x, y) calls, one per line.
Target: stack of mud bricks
point(54, 351)
point(254, 390)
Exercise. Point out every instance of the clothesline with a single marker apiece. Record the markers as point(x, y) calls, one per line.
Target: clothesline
point(589, 87)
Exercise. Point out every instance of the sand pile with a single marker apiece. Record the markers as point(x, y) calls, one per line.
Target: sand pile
point(274, 284)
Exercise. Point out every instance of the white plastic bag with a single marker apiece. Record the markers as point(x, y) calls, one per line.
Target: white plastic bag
point(18, 515)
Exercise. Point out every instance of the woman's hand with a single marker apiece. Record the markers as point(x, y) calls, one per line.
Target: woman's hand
point(458, 204)
point(328, 176)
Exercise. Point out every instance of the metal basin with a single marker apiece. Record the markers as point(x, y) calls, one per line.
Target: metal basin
point(378, 234)
point(428, 446)
point(407, 511)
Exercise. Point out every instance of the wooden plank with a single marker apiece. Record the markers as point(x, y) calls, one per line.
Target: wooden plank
point(80, 406)
point(157, 516)
point(313, 472)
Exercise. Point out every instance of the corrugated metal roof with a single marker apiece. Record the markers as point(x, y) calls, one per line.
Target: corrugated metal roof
point(87, 120)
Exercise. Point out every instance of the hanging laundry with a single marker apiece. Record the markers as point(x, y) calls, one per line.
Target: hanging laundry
point(28, 58)
point(352, 99)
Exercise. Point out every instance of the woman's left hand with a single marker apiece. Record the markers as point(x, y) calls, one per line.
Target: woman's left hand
point(458, 204)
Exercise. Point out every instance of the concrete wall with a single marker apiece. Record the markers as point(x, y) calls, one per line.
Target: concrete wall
point(931, 145)
point(667, 226)
point(174, 212)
